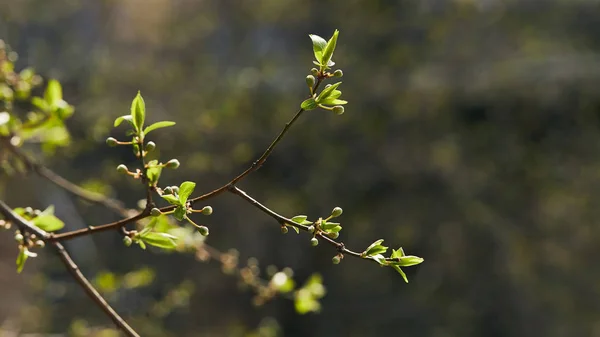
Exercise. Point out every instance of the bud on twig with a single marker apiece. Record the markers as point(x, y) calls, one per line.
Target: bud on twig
point(172, 164)
point(110, 141)
point(122, 169)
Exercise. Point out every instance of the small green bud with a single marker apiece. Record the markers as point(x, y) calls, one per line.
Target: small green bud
point(203, 230)
point(336, 212)
point(175, 189)
point(284, 229)
point(150, 146)
point(314, 241)
point(19, 237)
point(315, 72)
point(172, 164)
point(338, 109)
point(333, 235)
point(310, 81)
point(28, 211)
point(168, 190)
point(127, 241)
point(336, 259)
point(207, 210)
point(110, 141)
point(155, 212)
point(311, 228)
point(338, 73)
point(37, 212)
point(40, 244)
point(122, 168)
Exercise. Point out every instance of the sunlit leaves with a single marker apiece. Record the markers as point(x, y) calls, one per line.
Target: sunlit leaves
point(309, 104)
point(307, 298)
point(374, 249)
point(158, 125)
point(185, 190)
point(160, 240)
point(138, 112)
point(323, 50)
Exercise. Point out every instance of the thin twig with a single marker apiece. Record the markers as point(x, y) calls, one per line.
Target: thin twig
point(339, 246)
point(71, 267)
point(92, 292)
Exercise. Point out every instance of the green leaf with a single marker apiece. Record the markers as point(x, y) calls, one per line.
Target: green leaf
point(179, 213)
point(331, 227)
point(400, 272)
point(410, 260)
point(299, 218)
point(119, 120)
point(309, 104)
point(296, 229)
point(40, 103)
point(53, 94)
point(397, 253)
point(171, 199)
point(333, 101)
point(326, 93)
point(185, 190)
point(158, 125)
point(138, 112)
point(319, 44)
point(328, 51)
point(47, 221)
point(380, 259)
point(374, 249)
point(21, 258)
point(161, 240)
point(153, 171)
point(142, 244)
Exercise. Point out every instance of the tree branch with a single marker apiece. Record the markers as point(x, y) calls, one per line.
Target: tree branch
point(71, 267)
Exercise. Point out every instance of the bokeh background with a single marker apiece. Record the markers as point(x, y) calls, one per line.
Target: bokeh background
point(472, 139)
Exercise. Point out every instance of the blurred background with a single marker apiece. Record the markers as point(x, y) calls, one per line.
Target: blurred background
point(472, 139)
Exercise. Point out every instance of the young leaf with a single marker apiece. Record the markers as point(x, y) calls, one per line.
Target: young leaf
point(328, 51)
point(153, 174)
point(397, 253)
point(326, 93)
point(331, 227)
point(407, 261)
point(400, 272)
point(374, 249)
point(119, 120)
point(171, 199)
point(21, 258)
point(319, 45)
point(158, 125)
point(53, 94)
point(185, 190)
point(333, 101)
point(299, 218)
point(379, 258)
point(48, 223)
point(161, 240)
point(138, 112)
point(309, 104)
point(179, 213)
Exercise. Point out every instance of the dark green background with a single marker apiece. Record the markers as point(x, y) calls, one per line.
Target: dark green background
point(471, 139)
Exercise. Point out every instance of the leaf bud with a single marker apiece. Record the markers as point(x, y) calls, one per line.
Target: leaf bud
point(122, 168)
point(203, 230)
point(311, 228)
point(110, 141)
point(19, 237)
point(207, 210)
point(336, 259)
point(333, 235)
point(310, 81)
point(168, 190)
point(172, 164)
point(127, 241)
point(338, 109)
point(284, 229)
point(338, 73)
point(40, 244)
point(155, 212)
point(28, 211)
point(150, 146)
point(336, 212)
point(314, 241)
point(315, 72)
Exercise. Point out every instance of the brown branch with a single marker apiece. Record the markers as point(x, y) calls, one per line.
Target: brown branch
point(71, 267)
point(339, 246)
point(92, 292)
